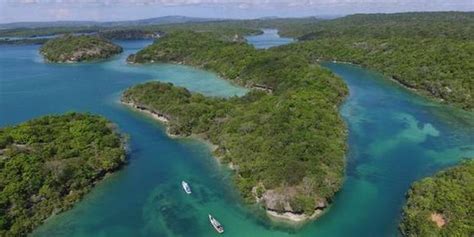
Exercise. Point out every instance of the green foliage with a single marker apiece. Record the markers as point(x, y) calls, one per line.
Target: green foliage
point(127, 34)
point(452, 25)
point(278, 138)
point(49, 163)
point(78, 48)
point(441, 68)
point(430, 52)
point(303, 204)
point(45, 31)
point(22, 41)
point(449, 193)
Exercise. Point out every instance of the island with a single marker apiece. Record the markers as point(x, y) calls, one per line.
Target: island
point(48, 163)
point(286, 143)
point(441, 205)
point(70, 49)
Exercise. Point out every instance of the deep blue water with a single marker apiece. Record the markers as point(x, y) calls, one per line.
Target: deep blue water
point(395, 137)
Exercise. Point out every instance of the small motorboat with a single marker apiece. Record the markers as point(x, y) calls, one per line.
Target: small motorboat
point(219, 228)
point(186, 187)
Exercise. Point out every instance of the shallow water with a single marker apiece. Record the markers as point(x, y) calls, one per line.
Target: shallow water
point(395, 137)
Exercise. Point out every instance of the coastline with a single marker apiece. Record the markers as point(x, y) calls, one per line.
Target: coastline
point(164, 120)
point(288, 217)
point(236, 82)
point(418, 91)
point(293, 218)
point(156, 116)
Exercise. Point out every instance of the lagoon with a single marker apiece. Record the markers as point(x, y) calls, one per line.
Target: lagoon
point(395, 137)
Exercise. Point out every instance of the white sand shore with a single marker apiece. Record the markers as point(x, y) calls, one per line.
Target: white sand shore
point(292, 217)
point(156, 116)
point(165, 121)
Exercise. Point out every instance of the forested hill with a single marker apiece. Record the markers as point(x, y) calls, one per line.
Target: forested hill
point(453, 25)
point(49, 163)
point(441, 205)
point(69, 48)
point(432, 53)
point(285, 139)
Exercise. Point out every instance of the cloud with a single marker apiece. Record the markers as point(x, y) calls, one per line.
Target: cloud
point(60, 13)
point(44, 10)
point(290, 3)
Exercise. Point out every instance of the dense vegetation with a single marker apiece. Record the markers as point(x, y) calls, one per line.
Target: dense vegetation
point(447, 198)
point(78, 48)
point(22, 41)
point(130, 34)
point(46, 31)
point(453, 25)
point(440, 68)
point(287, 144)
point(49, 163)
point(430, 52)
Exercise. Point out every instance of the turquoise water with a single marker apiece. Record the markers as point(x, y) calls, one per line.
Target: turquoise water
point(269, 38)
point(395, 137)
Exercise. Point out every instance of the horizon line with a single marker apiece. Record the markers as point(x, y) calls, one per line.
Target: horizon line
point(320, 16)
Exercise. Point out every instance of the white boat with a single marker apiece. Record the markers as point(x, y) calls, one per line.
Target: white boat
point(186, 187)
point(219, 228)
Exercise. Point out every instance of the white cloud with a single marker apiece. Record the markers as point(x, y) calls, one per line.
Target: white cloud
point(43, 10)
point(295, 3)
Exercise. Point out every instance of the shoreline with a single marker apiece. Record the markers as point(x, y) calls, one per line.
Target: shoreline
point(156, 116)
point(288, 217)
point(293, 218)
point(417, 91)
point(236, 82)
point(164, 120)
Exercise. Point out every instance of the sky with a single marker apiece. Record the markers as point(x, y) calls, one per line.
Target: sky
point(113, 10)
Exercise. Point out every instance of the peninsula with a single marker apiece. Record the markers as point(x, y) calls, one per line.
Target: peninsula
point(430, 53)
point(441, 205)
point(286, 144)
point(70, 49)
point(48, 163)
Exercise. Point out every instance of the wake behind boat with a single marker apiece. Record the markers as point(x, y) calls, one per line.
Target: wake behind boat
point(219, 228)
point(186, 187)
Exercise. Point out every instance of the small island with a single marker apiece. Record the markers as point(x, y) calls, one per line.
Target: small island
point(48, 163)
point(441, 205)
point(286, 142)
point(71, 49)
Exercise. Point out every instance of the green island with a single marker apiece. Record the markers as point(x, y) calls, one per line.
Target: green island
point(48, 163)
point(441, 205)
point(69, 49)
point(284, 139)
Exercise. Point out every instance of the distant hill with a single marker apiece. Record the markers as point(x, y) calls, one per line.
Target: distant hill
point(148, 21)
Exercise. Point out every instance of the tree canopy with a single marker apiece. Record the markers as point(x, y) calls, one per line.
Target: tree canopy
point(441, 205)
point(71, 48)
point(49, 163)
